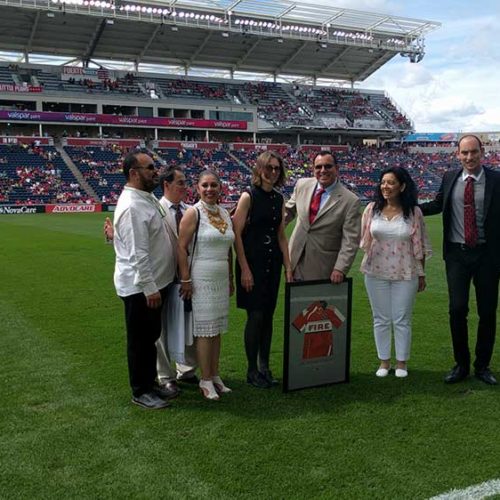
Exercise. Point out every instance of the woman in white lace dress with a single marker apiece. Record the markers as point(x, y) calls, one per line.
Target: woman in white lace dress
point(207, 280)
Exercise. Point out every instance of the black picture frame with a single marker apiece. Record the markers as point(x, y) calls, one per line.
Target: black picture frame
point(317, 339)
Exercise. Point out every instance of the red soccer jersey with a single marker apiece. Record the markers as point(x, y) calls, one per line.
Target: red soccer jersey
point(316, 322)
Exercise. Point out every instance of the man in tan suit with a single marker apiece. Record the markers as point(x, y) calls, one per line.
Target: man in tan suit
point(326, 236)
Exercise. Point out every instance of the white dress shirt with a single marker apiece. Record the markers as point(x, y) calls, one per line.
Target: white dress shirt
point(144, 253)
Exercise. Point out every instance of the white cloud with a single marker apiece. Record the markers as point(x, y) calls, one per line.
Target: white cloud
point(455, 87)
point(414, 76)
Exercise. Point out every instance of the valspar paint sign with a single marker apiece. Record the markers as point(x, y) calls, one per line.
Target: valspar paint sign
point(72, 209)
point(21, 209)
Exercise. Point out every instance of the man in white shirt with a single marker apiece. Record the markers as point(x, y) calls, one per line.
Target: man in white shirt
point(173, 183)
point(144, 269)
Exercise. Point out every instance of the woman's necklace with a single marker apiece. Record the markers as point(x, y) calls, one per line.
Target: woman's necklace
point(214, 217)
point(391, 211)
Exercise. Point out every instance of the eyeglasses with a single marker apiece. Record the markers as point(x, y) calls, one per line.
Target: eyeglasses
point(272, 168)
point(326, 166)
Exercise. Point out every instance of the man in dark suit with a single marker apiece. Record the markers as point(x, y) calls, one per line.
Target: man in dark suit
point(469, 199)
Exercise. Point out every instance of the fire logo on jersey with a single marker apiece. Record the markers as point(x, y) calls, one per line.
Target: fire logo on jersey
point(317, 322)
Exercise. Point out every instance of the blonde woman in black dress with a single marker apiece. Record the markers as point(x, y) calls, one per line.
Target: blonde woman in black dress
point(262, 250)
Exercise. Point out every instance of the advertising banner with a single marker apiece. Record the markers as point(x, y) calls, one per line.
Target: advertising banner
point(73, 209)
point(188, 145)
point(8, 87)
point(137, 121)
point(123, 143)
point(21, 209)
point(317, 334)
point(432, 137)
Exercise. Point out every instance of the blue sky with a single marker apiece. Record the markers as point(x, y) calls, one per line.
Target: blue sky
point(456, 87)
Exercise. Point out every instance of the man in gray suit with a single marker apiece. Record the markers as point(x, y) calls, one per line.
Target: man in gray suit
point(326, 236)
point(173, 182)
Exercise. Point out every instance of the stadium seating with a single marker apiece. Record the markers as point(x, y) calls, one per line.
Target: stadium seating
point(37, 175)
point(279, 104)
point(30, 174)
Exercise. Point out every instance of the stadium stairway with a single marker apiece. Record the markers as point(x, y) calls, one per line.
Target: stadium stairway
point(76, 172)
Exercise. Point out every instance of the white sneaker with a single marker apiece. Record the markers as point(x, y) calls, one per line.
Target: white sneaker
point(401, 373)
point(382, 372)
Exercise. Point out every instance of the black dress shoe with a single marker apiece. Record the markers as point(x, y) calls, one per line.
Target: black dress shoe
point(166, 390)
point(267, 374)
point(257, 380)
point(486, 376)
point(457, 374)
point(150, 401)
point(191, 379)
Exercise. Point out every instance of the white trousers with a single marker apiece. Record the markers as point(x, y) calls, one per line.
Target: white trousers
point(392, 306)
point(171, 346)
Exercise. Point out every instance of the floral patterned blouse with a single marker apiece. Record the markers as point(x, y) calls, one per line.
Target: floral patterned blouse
point(394, 249)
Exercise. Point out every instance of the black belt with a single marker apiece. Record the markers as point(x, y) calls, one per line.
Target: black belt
point(464, 247)
point(268, 239)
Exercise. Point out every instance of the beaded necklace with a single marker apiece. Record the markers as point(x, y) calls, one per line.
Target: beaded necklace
point(214, 217)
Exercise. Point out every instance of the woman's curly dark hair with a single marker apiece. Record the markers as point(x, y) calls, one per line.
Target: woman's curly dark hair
point(408, 197)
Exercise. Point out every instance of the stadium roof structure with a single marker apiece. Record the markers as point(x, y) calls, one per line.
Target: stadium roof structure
point(277, 37)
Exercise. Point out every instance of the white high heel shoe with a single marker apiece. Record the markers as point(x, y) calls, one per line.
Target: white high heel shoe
point(208, 391)
point(219, 385)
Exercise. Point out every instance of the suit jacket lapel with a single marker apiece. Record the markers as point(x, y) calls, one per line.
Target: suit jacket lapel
point(488, 191)
point(170, 220)
point(333, 199)
point(308, 196)
point(450, 185)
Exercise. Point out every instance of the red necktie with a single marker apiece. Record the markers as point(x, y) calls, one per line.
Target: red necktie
point(315, 203)
point(470, 226)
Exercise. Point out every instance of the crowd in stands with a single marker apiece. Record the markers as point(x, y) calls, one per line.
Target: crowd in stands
point(125, 85)
point(34, 174)
point(42, 181)
point(188, 88)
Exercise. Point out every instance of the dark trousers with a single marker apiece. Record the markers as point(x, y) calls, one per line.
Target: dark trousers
point(464, 265)
point(258, 336)
point(143, 326)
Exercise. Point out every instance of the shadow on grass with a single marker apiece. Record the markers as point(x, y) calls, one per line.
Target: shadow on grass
point(363, 389)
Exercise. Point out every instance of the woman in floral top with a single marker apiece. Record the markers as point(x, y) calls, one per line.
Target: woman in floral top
point(395, 243)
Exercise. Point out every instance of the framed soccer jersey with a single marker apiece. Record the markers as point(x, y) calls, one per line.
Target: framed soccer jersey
point(317, 334)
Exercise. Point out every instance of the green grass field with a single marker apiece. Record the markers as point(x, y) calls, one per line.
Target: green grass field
point(69, 431)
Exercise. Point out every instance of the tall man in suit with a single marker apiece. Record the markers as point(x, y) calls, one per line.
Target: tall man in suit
point(469, 199)
point(326, 236)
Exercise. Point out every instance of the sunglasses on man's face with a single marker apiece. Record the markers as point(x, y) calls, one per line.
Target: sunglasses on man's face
point(327, 166)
